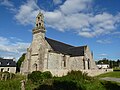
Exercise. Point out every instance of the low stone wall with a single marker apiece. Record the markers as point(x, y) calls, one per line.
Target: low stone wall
point(56, 72)
point(97, 72)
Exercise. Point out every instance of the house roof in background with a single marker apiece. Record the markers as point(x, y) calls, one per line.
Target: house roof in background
point(7, 63)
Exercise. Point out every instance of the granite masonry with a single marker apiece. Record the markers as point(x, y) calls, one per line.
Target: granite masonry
point(45, 54)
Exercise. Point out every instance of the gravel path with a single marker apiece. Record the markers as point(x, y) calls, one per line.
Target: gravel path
point(111, 79)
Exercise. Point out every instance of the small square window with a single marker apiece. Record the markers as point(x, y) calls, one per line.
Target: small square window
point(38, 18)
point(2, 69)
point(8, 63)
point(0, 63)
point(8, 69)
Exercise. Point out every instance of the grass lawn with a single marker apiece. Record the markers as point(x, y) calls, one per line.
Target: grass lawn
point(115, 74)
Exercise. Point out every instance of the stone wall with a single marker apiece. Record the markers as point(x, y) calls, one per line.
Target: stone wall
point(75, 63)
point(56, 72)
point(97, 72)
point(54, 61)
point(89, 55)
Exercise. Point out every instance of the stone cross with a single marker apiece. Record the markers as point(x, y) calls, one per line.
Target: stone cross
point(23, 85)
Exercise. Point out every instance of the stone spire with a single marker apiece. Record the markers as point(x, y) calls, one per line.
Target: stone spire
point(39, 25)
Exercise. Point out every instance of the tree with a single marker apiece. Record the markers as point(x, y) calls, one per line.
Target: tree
point(19, 62)
point(118, 63)
point(104, 61)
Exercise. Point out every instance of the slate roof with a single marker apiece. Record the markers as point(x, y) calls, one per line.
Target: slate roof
point(65, 48)
point(7, 63)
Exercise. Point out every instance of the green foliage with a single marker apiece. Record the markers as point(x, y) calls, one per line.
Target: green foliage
point(46, 75)
point(35, 76)
point(110, 85)
point(112, 63)
point(78, 75)
point(11, 84)
point(38, 77)
point(66, 85)
point(19, 62)
point(74, 80)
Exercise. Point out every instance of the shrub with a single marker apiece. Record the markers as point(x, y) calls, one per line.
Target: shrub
point(38, 77)
point(46, 75)
point(35, 76)
point(66, 85)
point(78, 75)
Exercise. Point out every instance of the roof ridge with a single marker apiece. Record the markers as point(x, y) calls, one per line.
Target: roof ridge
point(60, 42)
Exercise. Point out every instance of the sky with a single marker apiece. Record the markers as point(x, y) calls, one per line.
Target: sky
point(95, 23)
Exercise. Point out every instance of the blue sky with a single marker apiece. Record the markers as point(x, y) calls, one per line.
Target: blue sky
point(95, 23)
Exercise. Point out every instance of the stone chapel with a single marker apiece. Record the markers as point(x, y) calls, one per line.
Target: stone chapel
point(45, 54)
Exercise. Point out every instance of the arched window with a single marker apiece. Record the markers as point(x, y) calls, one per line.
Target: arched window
point(39, 24)
point(35, 66)
point(83, 64)
point(64, 61)
point(38, 18)
point(88, 63)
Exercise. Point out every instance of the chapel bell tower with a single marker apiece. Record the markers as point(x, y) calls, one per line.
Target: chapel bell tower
point(39, 24)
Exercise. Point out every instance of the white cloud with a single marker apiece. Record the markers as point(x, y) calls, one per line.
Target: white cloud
point(75, 6)
point(103, 54)
point(105, 41)
point(86, 34)
point(56, 2)
point(8, 48)
point(72, 15)
point(27, 12)
point(7, 3)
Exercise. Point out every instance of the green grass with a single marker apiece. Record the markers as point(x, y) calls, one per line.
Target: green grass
point(115, 74)
point(74, 80)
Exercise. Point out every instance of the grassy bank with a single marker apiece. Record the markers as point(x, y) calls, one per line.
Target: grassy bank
point(115, 74)
point(72, 81)
point(12, 84)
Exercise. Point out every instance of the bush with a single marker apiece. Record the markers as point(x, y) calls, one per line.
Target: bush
point(78, 75)
point(110, 85)
point(35, 76)
point(66, 85)
point(46, 75)
point(38, 77)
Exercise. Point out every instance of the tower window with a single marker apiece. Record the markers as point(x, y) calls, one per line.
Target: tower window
point(38, 18)
point(37, 25)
